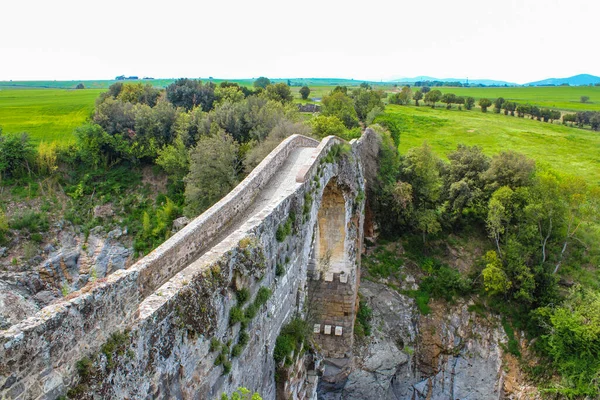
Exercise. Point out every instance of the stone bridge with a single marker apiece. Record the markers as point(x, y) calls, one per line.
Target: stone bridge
point(200, 315)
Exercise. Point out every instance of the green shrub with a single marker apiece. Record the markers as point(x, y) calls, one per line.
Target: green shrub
point(285, 229)
point(244, 338)
point(30, 221)
point(215, 344)
point(84, 367)
point(226, 367)
point(363, 318)
point(279, 270)
point(251, 311)
point(291, 338)
point(263, 295)
point(243, 295)
point(237, 350)
point(236, 314)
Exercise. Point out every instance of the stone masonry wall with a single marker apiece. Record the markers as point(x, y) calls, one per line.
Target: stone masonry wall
point(139, 334)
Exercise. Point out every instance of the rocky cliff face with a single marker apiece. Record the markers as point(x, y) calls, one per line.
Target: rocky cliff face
point(59, 268)
point(452, 353)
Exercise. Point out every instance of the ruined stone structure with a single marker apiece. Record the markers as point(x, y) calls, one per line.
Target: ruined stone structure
point(285, 242)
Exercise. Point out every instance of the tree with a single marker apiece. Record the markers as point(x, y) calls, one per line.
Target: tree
point(262, 82)
point(572, 340)
point(417, 96)
point(175, 160)
point(511, 169)
point(281, 131)
point(484, 104)
point(364, 101)
point(405, 95)
point(16, 153)
point(469, 102)
point(189, 93)
point(341, 106)
point(304, 92)
point(584, 99)
point(448, 98)
point(433, 97)
point(499, 214)
point(464, 180)
point(279, 92)
point(425, 89)
point(495, 281)
point(460, 100)
point(80, 86)
point(498, 103)
point(214, 168)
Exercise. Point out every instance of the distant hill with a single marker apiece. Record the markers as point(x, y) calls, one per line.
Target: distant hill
point(577, 80)
point(487, 82)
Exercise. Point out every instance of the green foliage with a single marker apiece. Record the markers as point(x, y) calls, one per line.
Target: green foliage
point(513, 344)
point(262, 296)
point(236, 314)
point(241, 394)
point(237, 350)
point(84, 367)
point(244, 338)
point(340, 105)
point(366, 100)
point(251, 311)
point(291, 339)
point(115, 345)
point(495, 280)
point(284, 229)
point(383, 263)
point(362, 324)
point(279, 269)
point(262, 82)
point(242, 295)
point(16, 154)
point(215, 344)
point(190, 93)
point(443, 281)
point(30, 221)
point(304, 92)
point(156, 226)
point(213, 172)
point(573, 342)
point(327, 125)
point(4, 227)
point(279, 92)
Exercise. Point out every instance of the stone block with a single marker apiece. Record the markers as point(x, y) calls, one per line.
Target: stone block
point(338, 331)
point(317, 328)
point(328, 276)
point(328, 329)
point(343, 278)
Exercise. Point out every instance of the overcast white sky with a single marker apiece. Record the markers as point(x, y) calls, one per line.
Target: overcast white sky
point(512, 40)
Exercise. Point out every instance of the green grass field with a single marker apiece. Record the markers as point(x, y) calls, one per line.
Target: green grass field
point(46, 114)
point(570, 150)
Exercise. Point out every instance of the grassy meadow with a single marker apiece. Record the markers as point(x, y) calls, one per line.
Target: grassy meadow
point(570, 150)
point(46, 114)
point(565, 98)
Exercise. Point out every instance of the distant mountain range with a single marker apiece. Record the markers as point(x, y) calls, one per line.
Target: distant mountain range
point(577, 80)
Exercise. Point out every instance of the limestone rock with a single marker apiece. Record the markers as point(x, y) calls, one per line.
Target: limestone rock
point(180, 223)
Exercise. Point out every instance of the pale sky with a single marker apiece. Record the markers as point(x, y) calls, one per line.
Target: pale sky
point(512, 40)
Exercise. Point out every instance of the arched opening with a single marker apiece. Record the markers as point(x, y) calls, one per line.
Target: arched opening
point(330, 234)
point(332, 283)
